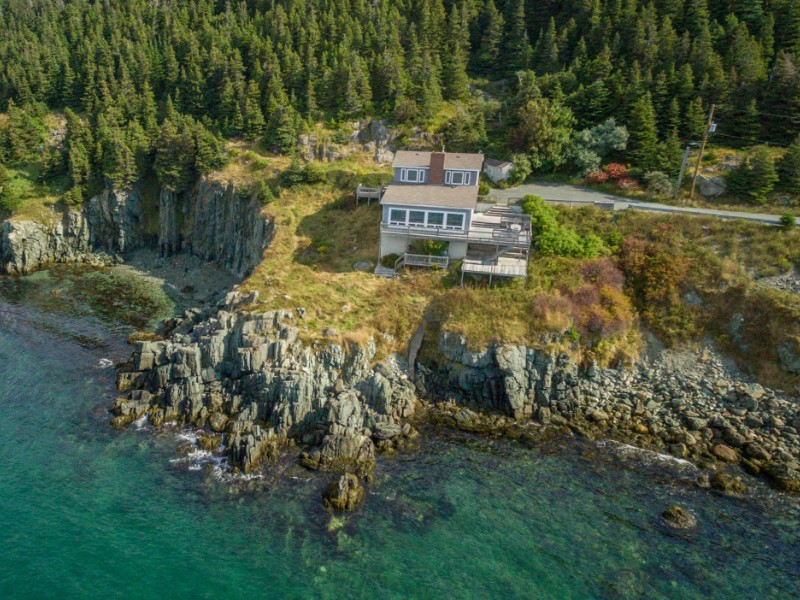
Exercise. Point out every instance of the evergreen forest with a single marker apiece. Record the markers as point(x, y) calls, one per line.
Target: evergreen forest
point(156, 87)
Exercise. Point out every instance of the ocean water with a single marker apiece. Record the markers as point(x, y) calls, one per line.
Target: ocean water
point(90, 512)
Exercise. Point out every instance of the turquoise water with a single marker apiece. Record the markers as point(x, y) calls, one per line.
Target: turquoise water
point(89, 512)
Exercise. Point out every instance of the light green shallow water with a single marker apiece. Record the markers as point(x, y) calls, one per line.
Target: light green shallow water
point(88, 512)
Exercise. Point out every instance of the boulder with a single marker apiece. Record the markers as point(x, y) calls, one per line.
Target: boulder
point(678, 517)
point(725, 453)
point(728, 484)
point(344, 495)
point(711, 187)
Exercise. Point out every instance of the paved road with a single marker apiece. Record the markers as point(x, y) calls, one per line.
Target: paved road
point(578, 196)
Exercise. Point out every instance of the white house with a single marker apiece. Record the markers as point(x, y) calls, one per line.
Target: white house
point(497, 170)
point(434, 196)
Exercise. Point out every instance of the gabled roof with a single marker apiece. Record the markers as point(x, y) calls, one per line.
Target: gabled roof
point(492, 162)
point(452, 160)
point(461, 196)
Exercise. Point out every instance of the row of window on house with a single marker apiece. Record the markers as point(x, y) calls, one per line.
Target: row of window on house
point(425, 218)
point(450, 177)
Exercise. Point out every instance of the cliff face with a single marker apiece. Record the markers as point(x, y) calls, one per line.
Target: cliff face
point(108, 223)
point(249, 377)
point(220, 226)
point(211, 221)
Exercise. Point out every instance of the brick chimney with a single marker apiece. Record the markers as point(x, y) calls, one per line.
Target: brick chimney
point(436, 174)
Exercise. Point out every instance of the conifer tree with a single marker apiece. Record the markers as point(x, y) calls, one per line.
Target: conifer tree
point(454, 67)
point(789, 168)
point(254, 123)
point(517, 47)
point(491, 39)
point(643, 133)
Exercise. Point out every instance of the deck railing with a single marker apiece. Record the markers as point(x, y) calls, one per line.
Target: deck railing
point(422, 260)
point(477, 234)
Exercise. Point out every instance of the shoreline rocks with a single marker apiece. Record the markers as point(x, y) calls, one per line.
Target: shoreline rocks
point(250, 378)
point(693, 408)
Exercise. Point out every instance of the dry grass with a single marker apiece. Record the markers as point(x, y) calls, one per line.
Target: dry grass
point(321, 235)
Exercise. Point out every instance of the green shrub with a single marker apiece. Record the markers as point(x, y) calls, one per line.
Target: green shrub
point(483, 188)
point(428, 247)
point(788, 221)
point(658, 183)
point(551, 238)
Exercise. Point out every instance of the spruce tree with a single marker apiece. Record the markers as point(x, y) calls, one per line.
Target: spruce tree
point(454, 64)
point(789, 168)
point(517, 47)
point(643, 131)
point(254, 123)
point(491, 39)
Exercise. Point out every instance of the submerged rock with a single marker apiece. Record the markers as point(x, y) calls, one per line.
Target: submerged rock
point(728, 484)
point(344, 495)
point(678, 517)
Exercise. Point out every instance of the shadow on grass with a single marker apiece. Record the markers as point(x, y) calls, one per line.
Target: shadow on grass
point(339, 235)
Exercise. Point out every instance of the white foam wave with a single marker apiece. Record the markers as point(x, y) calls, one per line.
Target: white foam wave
point(105, 363)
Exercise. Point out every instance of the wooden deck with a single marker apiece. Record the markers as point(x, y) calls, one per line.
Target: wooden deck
point(369, 194)
point(504, 266)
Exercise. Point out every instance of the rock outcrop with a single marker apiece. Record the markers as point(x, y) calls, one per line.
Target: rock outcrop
point(250, 377)
point(212, 221)
point(107, 225)
point(696, 410)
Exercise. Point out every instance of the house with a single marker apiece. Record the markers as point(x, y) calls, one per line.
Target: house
point(434, 198)
point(497, 170)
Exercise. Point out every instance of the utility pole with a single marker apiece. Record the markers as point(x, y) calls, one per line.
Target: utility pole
point(683, 171)
point(702, 149)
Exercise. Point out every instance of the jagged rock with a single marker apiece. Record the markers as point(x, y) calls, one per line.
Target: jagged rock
point(344, 495)
point(106, 226)
point(728, 484)
point(678, 517)
point(249, 376)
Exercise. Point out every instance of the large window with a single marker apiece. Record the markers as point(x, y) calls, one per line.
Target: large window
point(457, 178)
point(397, 217)
point(455, 221)
point(435, 219)
point(412, 175)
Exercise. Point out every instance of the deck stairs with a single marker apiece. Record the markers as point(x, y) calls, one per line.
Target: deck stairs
point(382, 271)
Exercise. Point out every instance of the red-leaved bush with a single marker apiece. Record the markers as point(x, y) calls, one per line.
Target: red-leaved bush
point(616, 171)
point(627, 184)
point(596, 177)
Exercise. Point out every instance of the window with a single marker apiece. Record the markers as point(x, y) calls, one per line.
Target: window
point(397, 217)
point(456, 178)
point(416, 217)
point(412, 175)
point(455, 221)
point(435, 219)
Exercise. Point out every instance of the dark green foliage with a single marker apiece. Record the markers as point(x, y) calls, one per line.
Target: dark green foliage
point(264, 70)
point(788, 221)
point(552, 238)
point(755, 177)
point(789, 169)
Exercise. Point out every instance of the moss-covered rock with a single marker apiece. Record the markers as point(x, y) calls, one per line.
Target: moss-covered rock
point(344, 495)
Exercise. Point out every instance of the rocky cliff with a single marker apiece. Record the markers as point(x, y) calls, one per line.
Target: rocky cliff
point(211, 221)
point(109, 223)
point(224, 227)
point(216, 223)
point(251, 379)
point(690, 405)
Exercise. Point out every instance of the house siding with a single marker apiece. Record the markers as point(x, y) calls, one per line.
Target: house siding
point(398, 174)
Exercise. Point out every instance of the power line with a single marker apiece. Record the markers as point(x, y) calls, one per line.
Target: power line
point(738, 137)
point(762, 114)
